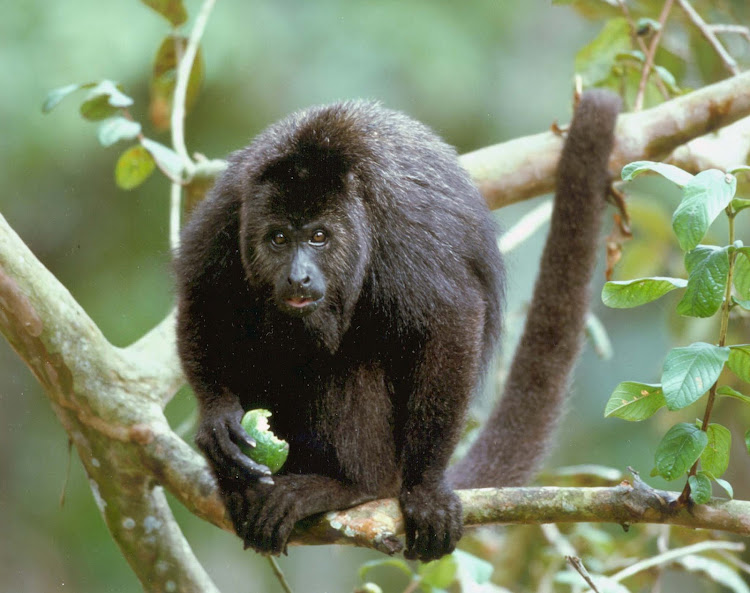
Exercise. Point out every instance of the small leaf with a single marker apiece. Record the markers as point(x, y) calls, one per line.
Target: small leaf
point(117, 128)
point(703, 199)
point(172, 10)
point(727, 391)
point(715, 457)
point(439, 573)
point(708, 271)
point(625, 294)
point(390, 562)
point(744, 303)
point(167, 159)
point(103, 101)
point(747, 441)
point(594, 61)
point(472, 570)
point(739, 204)
point(739, 361)
point(726, 486)
point(689, 372)
point(634, 401)
point(597, 334)
point(742, 273)
point(55, 96)
point(679, 450)
point(700, 488)
point(133, 167)
point(674, 174)
point(668, 79)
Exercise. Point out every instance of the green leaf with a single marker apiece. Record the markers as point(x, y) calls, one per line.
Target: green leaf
point(744, 303)
point(625, 294)
point(742, 273)
point(679, 450)
point(164, 78)
point(472, 570)
point(167, 159)
point(703, 199)
point(172, 10)
point(103, 101)
point(133, 167)
point(55, 96)
point(674, 174)
point(708, 271)
point(438, 573)
point(739, 204)
point(668, 79)
point(117, 128)
point(597, 334)
point(747, 441)
point(689, 372)
point(726, 486)
point(389, 562)
point(739, 361)
point(700, 488)
point(727, 391)
point(594, 61)
point(715, 457)
point(634, 401)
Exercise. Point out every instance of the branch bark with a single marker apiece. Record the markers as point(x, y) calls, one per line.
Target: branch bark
point(110, 400)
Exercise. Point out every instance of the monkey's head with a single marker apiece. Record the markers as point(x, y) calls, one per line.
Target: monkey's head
point(305, 236)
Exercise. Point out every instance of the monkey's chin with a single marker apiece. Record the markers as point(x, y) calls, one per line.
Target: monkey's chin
point(299, 306)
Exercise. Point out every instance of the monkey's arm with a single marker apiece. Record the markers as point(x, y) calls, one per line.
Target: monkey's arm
point(517, 434)
point(443, 381)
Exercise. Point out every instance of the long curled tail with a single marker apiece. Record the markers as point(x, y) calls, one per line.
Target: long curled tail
point(513, 442)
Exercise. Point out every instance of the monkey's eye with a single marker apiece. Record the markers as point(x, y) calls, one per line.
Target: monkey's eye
point(319, 237)
point(278, 238)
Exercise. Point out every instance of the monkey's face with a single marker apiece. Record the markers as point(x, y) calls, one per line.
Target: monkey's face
point(298, 256)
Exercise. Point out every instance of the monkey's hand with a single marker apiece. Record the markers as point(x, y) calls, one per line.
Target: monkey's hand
point(219, 435)
point(433, 518)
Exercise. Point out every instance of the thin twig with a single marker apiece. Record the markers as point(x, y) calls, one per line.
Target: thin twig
point(279, 574)
point(642, 45)
point(707, 32)
point(577, 564)
point(722, 28)
point(673, 555)
point(650, 54)
point(184, 68)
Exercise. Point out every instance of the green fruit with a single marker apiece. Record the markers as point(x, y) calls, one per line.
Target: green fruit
point(269, 450)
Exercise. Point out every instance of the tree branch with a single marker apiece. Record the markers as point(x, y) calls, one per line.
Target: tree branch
point(524, 168)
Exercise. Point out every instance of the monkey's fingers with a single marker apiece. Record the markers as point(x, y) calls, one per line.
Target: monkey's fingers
point(229, 459)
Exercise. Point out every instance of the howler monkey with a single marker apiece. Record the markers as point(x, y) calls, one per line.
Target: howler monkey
point(344, 273)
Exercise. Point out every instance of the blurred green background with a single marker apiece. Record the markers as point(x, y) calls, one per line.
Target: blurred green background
point(478, 72)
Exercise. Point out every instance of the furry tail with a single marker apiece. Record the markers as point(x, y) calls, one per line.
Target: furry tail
point(513, 442)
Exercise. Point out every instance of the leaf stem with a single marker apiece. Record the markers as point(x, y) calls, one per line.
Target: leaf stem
point(723, 329)
point(279, 574)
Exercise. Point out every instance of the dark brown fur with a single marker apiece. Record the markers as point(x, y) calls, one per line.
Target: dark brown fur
point(370, 384)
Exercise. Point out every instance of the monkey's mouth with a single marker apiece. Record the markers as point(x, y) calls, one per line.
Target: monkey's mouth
point(299, 306)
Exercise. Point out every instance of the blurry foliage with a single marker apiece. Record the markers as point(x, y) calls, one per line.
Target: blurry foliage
point(477, 73)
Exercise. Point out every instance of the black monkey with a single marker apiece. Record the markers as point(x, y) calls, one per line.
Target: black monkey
point(344, 274)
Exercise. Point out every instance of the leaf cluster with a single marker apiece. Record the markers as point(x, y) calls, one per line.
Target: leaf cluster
point(718, 280)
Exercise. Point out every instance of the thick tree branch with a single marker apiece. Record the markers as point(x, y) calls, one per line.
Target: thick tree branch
point(523, 168)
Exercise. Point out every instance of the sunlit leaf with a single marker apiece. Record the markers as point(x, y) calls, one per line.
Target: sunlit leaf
point(690, 371)
point(167, 159)
point(439, 573)
point(739, 361)
point(708, 270)
point(103, 101)
point(624, 294)
point(679, 450)
point(742, 273)
point(385, 562)
point(117, 128)
point(597, 335)
point(700, 488)
point(172, 10)
point(472, 570)
point(594, 61)
point(726, 486)
point(703, 199)
point(133, 167)
point(715, 457)
point(55, 96)
point(727, 391)
point(635, 401)
point(674, 174)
